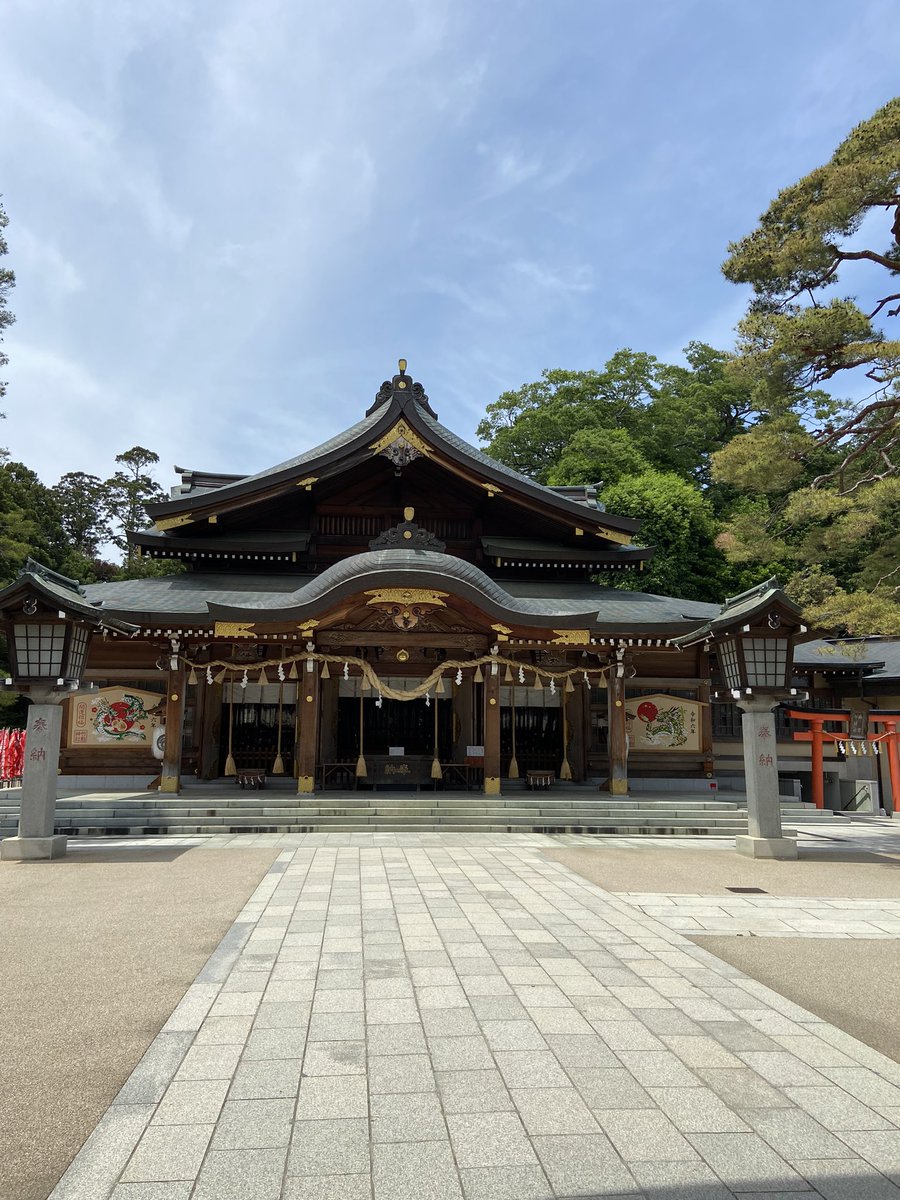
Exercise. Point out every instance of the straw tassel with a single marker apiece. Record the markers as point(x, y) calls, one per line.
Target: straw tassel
point(192, 678)
point(326, 674)
point(537, 685)
point(292, 673)
point(263, 677)
point(221, 676)
point(479, 677)
point(436, 772)
point(570, 686)
point(439, 688)
point(508, 677)
point(513, 762)
point(361, 769)
point(565, 771)
point(230, 768)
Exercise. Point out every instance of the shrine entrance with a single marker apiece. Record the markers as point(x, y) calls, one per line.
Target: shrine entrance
point(254, 735)
point(398, 724)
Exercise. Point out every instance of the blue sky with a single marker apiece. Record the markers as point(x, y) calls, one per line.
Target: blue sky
point(228, 220)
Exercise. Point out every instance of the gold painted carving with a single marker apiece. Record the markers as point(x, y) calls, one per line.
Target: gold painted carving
point(571, 637)
point(214, 519)
point(407, 596)
point(307, 625)
point(401, 432)
point(235, 629)
point(402, 656)
point(501, 629)
point(308, 482)
point(492, 490)
point(165, 523)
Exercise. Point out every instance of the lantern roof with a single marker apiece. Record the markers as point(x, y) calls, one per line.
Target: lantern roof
point(67, 596)
point(745, 609)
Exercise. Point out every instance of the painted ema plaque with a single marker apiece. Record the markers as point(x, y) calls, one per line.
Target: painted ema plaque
point(655, 723)
point(114, 716)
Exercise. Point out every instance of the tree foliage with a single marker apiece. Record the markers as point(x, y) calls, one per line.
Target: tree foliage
point(127, 491)
point(798, 333)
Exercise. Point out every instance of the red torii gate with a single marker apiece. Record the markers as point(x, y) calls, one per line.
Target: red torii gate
point(879, 729)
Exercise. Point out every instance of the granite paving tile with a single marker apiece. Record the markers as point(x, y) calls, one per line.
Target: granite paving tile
point(241, 1175)
point(401, 1073)
point(847, 1179)
point(583, 1165)
point(495, 1139)
point(336, 1146)
point(328, 1187)
point(473, 1091)
point(505, 1183)
point(332, 1096)
point(645, 1134)
point(407, 1117)
point(267, 1079)
point(191, 1102)
point(684, 1181)
point(415, 1171)
point(553, 1110)
point(168, 1152)
point(744, 1162)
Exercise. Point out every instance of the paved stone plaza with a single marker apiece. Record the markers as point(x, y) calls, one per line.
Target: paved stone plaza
point(466, 1018)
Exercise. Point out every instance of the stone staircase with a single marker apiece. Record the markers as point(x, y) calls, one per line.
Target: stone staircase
point(210, 809)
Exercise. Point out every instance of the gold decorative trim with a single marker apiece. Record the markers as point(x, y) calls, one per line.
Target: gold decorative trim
point(613, 535)
point(235, 629)
point(579, 532)
point(165, 523)
point(407, 596)
point(214, 519)
point(492, 489)
point(501, 629)
point(306, 785)
point(571, 637)
point(491, 785)
point(307, 625)
point(401, 432)
point(307, 482)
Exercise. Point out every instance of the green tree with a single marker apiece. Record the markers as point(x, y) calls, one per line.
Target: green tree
point(679, 522)
point(30, 523)
point(82, 501)
point(798, 333)
point(127, 491)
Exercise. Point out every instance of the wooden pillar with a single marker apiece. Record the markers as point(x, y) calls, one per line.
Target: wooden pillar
point(893, 762)
point(491, 729)
point(170, 777)
point(308, 716)
point(816, 766)
point(329, 718)
point(617, 738)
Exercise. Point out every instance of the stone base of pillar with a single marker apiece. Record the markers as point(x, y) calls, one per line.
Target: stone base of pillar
point(618, 787)
point(763, 847)
point(306, 785)
point(170, 784)
point(26, 849)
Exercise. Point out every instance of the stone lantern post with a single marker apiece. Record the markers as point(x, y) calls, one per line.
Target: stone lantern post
point(753, 638)
point(48, 625)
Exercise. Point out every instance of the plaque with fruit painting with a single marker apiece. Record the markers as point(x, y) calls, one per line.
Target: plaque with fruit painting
point(662, 723)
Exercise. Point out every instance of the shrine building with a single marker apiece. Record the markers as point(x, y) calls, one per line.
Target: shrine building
point(394, 608)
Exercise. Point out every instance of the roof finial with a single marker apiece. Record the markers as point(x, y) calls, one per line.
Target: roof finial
point(402, 366)
point(402, 389)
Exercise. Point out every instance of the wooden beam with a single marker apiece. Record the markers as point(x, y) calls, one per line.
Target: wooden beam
point(170, 779)
point(308, 716)
point(491, 731)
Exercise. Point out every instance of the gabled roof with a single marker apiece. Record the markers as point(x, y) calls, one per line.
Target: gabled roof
point(401, 404)
point(875, 658)
point(193, 596)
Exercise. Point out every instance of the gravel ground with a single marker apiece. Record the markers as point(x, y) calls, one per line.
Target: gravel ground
point(710, 872)
point(96, 951)
point(850, 982)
